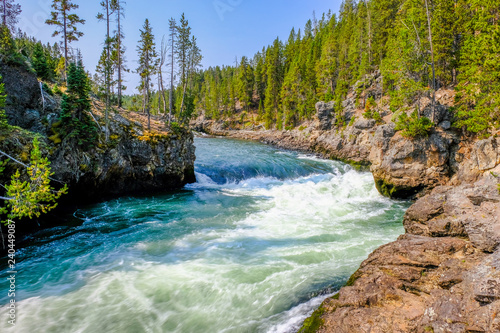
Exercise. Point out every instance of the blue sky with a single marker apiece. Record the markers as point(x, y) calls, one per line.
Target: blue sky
point(225, 29)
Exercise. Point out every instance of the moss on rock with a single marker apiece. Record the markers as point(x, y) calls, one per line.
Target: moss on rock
point(314, 322)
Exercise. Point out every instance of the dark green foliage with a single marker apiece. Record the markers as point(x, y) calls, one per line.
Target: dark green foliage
point(478, 92)
point(175, 127)
point(75, 120)
point(281, 84)
point(40, 64)
point(413, 126)
point(47, 89)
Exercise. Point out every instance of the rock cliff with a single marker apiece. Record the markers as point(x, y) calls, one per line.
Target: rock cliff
point(441, 276)
point(133, 161)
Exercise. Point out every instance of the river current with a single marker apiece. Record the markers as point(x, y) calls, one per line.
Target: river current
point(254, 246)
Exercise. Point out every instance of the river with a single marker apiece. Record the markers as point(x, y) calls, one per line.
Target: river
point(254, 246)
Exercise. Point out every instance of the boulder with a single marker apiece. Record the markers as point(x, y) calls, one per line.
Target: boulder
point(324, 112)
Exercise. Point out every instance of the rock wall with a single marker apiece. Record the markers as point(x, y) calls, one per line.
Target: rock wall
point(441, 276)
point(133, 162)
point(24, 97)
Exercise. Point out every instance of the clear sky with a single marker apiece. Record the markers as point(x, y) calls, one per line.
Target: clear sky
point(225, 29)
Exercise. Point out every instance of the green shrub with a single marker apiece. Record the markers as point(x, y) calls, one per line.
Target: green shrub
point(413, 126)
point(352, 121)
point(175, 127)
point(57, 90)
point(377, 117)
point(370, 112)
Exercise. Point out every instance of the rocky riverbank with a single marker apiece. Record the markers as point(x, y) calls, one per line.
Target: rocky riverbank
point(442, 275)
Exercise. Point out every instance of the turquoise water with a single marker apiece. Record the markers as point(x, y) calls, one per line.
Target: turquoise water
point(255, 246)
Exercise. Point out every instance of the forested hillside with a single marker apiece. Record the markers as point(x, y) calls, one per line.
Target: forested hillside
point(419, 46)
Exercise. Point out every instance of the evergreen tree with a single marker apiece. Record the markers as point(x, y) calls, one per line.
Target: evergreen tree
point(66, 24)
point(260, 76)
point(161, 87)
point(147, 65)
point(34, 197)
point(274, 61)
point(108, 10)
point(76, 122)
point(182, 48)
point(172, 27)
point(119, 48)
point(7, 46)
point(102, 72)
point(446, 31)
point(194, 61)
point(245, 83)
point(39, 62)
point(478, 93)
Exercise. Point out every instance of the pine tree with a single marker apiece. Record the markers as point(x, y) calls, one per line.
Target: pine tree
point(194, 61)
point(274, 60)
point(75, 106)
point(10, 12)
point(39, 62)
point(108, 10)
point(182, 48)
point(446, 32)
point(147, 65)
point(66, 24)
point(290, 93)
point(172, 27)
point(119, 48)
point(161, 87)
point(260, 76)
point(245, 83)
point(34, 197)
point(103, 71)
point(478, 93)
